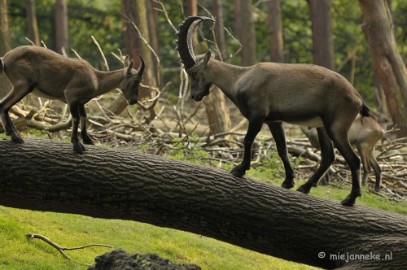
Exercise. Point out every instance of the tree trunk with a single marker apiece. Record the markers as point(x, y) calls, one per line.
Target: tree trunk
point(248, 35)
point(237, 19)
point(136, 12)
point(48, 176)
point(131, 43)
point(33, 33)
point(322, 41)
point(215, 104)
point(5, 85)
point(388, 64)
point(153, 34)
point(276, 32)
point(217, 11)
point(61, 25)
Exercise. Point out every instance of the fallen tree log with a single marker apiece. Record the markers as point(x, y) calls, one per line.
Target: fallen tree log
point(47, 175)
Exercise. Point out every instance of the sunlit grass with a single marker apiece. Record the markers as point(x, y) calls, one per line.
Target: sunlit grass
point(74, 230)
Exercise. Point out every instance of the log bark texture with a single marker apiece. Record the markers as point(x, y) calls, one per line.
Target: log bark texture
point(47, 175)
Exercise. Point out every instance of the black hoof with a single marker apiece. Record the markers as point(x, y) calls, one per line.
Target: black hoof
point(288, 184)
point(304, 189)
point(78, 148)
point(87, 140)
point(350, 200)
point(17, 139)
point(238, 171)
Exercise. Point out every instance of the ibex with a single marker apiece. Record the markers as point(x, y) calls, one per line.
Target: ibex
point(364, 133)
point(73, 81)
point(273, 93)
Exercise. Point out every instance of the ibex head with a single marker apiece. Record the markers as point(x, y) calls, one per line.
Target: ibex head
point(132, 79)
point(196, 69)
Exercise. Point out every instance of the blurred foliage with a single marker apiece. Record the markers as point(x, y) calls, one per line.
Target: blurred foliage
point(102, 19)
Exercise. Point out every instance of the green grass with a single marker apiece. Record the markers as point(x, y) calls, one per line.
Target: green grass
point(17, 252)
point(275, 176)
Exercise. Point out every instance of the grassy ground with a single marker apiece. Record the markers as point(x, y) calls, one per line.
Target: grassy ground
point(16, 252)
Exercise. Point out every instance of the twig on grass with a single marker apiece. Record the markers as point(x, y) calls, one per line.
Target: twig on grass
point(58, 247)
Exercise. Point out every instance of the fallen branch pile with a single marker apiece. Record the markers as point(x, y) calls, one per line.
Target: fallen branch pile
point(172, 130)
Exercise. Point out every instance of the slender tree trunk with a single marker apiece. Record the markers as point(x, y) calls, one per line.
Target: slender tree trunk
point(48, 176)
point(237, 19)
point(276, 32)
point(33, 33)
point(152, 25)
point(5, 85)
point(61, 25)
point(142, 24)
point(135, 12)
point(215, 104)
point(388, 64)
point(248, 35)
point(219, 28)
point(131, 43)
point(323, 48)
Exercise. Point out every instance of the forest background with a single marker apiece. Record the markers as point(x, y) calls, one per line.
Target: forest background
point(72, 24)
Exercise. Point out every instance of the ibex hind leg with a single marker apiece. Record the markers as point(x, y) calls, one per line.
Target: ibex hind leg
point(327, 158)
point(15, 95)
point(377, 170)
point(84, 133)
point(77, 146)
point(340, 138)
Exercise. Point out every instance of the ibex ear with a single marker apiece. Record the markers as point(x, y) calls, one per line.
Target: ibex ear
point(128, 64)
point(126, 61)
point(208, 56)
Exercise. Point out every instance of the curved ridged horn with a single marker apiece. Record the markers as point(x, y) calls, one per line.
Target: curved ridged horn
point(185, 47)
point(142, 66)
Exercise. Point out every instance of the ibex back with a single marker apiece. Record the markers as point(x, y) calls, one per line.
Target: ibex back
point(73, 81)
point(273, 93)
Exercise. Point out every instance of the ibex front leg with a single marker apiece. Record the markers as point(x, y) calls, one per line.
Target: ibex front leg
point(18, 92)
point(254, 128)
point(277, 131)
point(84, 133)
point(77, 146)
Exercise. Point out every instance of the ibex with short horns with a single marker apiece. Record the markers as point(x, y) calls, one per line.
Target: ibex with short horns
point(364, 133)
point(72, 81)
point(273, 93)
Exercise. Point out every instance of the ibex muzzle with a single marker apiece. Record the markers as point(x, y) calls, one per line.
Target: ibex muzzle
point(73, 81)
point(273, 93)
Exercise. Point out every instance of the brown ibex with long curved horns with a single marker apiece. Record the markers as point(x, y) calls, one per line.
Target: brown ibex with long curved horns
point(273, 93)
point(73, 81)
